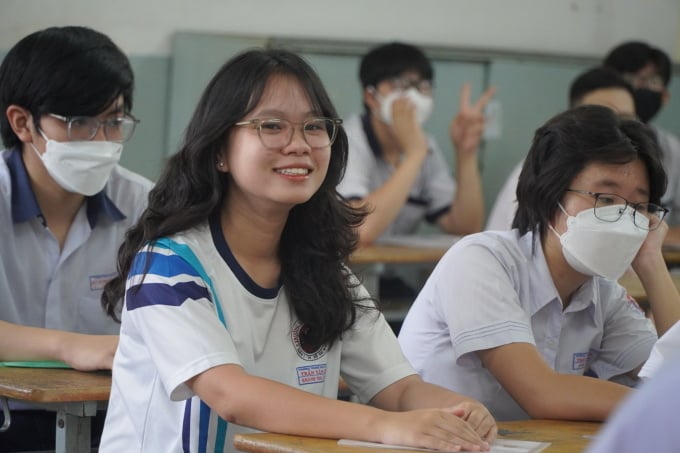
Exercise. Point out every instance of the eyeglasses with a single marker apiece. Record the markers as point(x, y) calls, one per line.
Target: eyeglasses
point(277, 133)
point(84, 128)
point(646, 216)
point(652, 82)
point(404, 83)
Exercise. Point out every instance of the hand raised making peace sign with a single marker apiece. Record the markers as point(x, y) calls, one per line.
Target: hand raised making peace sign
point(467, 126)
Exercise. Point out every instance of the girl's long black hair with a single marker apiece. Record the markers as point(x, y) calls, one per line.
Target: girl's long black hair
point(319, 234)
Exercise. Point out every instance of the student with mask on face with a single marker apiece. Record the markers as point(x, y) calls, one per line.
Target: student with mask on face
point(514, 318)
point(394, 167)
point(65, 205)
point(648, 70)
point(596, 86)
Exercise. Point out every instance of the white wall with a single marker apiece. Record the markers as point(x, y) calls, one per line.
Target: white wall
point(564, 27)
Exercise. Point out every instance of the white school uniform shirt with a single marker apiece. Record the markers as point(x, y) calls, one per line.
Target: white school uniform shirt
point(170, 334)
point(647, 420)
point(42, 285)
point(429, 198)
point(670, 157)
point(490, 290)
point(505, 206)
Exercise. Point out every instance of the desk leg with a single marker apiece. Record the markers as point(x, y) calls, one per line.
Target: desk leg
point(73, 427)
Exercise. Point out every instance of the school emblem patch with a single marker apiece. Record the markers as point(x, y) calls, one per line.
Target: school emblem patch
point(303, 348)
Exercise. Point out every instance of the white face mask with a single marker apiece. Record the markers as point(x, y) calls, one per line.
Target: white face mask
point(423, 104)
point(82, 167)
point(594, 247)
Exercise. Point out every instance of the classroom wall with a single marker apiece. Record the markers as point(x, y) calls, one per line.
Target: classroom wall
point(529, 49)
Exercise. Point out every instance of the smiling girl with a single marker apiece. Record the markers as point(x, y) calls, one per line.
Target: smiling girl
point(239, 311)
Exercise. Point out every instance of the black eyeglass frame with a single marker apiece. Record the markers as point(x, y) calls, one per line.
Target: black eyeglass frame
point(657, 209)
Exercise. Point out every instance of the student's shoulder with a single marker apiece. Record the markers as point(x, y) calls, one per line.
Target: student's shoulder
point(493, 240)
point(506, 247)
point(121, 176)
point(668, 141)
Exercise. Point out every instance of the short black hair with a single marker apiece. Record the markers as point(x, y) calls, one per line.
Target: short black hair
point(69, 71)
point(593, 79)
point(391, 60)
point(632, 56)
point(562, 148)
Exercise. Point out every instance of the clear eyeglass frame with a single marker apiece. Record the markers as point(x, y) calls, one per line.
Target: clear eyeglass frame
point(424, 86)
point(277, 133)
point(84, 128)
point(650, 211)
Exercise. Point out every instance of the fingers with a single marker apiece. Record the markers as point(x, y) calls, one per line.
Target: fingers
point(479, 106)
point(484, 99)
point(457, 430)
point(465, 96)
point(479, 418)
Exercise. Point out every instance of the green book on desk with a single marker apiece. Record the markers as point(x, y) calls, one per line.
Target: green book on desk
point(36, 364)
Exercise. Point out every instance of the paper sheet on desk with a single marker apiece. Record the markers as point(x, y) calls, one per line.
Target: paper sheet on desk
point(666, 349)
point(500, 446)
point(435, 241)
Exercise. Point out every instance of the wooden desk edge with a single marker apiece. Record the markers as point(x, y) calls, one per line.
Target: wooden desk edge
point(44, 385)
point(569, 436)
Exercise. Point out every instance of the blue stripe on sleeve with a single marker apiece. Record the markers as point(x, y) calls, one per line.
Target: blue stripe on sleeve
point(162, 265)
point(148, 294)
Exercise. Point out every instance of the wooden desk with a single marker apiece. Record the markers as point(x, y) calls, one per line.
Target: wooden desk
point(633, 285)
point(396, 254)
point(564, 437)
point(74, 395)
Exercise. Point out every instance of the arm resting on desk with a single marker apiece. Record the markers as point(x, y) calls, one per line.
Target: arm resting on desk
point(82, 352)
point(271, 406)
point(413, 393)
point(544, 393)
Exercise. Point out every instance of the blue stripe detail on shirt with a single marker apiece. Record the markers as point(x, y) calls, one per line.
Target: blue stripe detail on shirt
point(161, 265)
point(186, 427)
point(148, 294)
point(204, 425)
point(221, 435)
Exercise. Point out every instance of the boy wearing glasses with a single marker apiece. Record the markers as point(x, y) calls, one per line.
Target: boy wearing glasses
point(65, 205)
point(515, 318)
point(396, 169)
point(648, 70)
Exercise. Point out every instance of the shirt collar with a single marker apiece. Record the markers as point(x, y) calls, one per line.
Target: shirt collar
point(25, 206)
point(583, 298)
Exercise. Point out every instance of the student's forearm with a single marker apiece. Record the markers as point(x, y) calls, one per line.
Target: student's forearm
point(572, 397)
point(466, 215)
point(386, 201)
point(19, 342)
point(81, 351)
point(414, 393)
point(271, 406)
point(661, 292)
